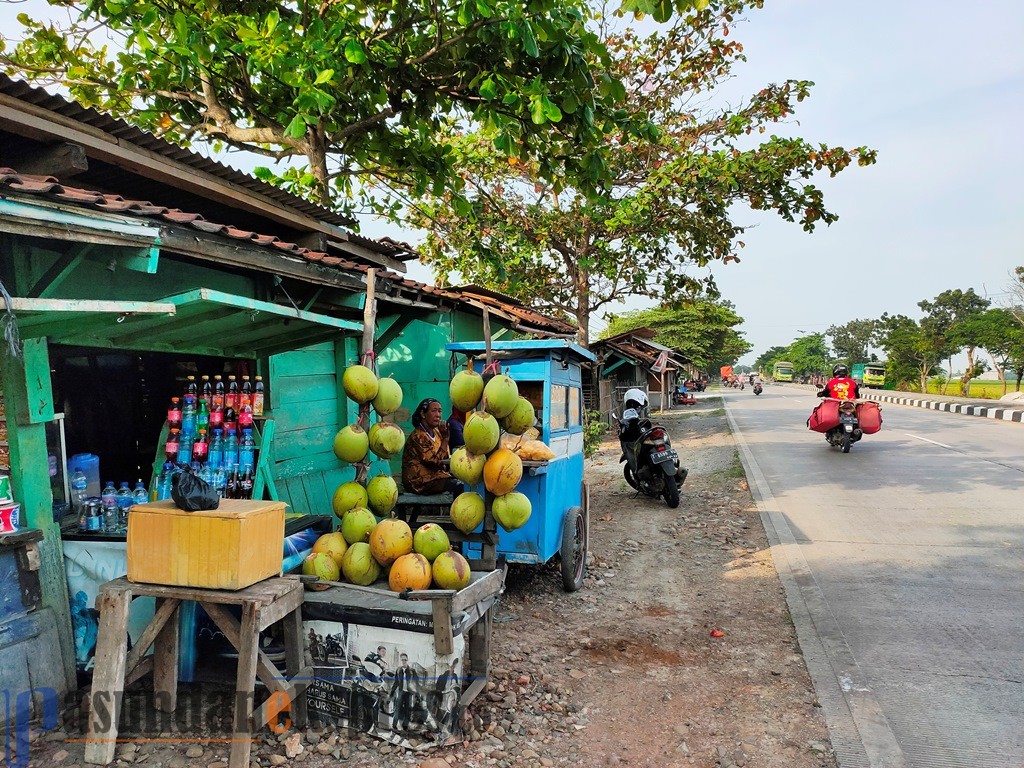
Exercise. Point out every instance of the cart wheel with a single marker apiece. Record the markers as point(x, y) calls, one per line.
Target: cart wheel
point(574, 548)
point(627, 473)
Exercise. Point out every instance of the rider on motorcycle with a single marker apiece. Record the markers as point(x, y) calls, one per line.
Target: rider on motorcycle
point(841, 386)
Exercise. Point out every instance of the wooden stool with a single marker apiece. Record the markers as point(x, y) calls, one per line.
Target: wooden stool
point(115, 668)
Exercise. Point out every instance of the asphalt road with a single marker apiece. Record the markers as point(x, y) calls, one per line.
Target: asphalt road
point(904, 568)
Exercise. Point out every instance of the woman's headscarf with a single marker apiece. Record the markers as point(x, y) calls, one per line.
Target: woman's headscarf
point(421, 410)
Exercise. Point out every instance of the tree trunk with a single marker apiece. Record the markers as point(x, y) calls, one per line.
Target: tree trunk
point(924, 379)
point(583, 307)
point(316, 153)
point(1020, 375)
point(949, 375)
point(965, 382)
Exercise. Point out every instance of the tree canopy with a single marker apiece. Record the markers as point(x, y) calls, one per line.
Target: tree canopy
point(702, 330)
point(673, 194)
point(852, 341)
point(356, 92)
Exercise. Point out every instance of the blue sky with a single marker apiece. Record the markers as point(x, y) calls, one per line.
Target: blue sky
point(938, 89)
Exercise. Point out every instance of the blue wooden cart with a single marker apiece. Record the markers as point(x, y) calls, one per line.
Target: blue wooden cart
point(549, 374)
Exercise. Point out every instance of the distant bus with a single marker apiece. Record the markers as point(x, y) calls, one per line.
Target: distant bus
point(782, 371)
point(869, 374)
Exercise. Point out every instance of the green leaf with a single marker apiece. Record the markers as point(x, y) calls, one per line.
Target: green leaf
point(484, 9)
point(488, 88)
point(296, 128)
point(181, 25)
point(537, 112)
point(465, 16)
point(354, 52)
point(551, 110)
point(323, 77)
point(529, 41)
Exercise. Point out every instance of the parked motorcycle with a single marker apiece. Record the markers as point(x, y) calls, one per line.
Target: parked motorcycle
point(651, 463)
point(758, 389)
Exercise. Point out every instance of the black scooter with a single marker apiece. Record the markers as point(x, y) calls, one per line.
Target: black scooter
point(758, 389)
point(651, 463)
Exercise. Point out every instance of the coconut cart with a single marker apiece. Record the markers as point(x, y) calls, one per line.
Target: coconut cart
point(549, 374)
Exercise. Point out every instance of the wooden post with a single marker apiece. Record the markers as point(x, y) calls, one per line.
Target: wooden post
point(367, 359)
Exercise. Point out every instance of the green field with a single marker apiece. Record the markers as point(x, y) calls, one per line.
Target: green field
point(986, 390)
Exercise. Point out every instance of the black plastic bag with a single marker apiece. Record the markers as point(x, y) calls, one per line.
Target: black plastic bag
point(191, 493)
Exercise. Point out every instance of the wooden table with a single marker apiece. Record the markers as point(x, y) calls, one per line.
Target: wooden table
point(262, 604)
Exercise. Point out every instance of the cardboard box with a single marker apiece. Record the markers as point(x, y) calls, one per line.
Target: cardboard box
point(231, 547)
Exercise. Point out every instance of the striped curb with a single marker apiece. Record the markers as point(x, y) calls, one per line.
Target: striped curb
point(984, 411)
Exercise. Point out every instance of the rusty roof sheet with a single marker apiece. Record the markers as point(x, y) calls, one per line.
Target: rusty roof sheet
point(48, 187)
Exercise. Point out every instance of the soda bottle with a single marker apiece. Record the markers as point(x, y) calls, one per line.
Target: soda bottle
point(172, 445)
point(163, 483)
point(191, 390)
point(185, 449)
point(79, 484)
point(218, 393)
point(231, 398)
point(200, 448)
point(257, 397)
point(247, 451)
point(230, 420)
point(231, 487)
point(245, 485)
point(203, 416)
point(216, 450)
point(95, 523)
point(188, 417)
point(230, 450)
point(217, 417)
point(206, 392)
point(245, 398)
point(245, 417)
point(83, 517)
point(174, 413)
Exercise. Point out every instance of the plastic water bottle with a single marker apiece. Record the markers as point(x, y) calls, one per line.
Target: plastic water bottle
point(140, 495)
point(216, 450)
point(230, 450)
point(108, 496)
point(79, 484)
point(247, 451)
point(124, 504)
point(188, 417)
point(163, 484)
point(220, 481)
point(206, 473)
point(185, 449)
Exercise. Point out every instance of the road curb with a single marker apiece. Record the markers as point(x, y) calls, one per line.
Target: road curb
point(860, 733)
point(946, 406)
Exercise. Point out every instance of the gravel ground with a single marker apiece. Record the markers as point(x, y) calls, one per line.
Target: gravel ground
point(678, 651)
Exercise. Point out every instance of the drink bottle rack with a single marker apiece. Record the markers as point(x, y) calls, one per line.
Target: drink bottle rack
point(263, 479)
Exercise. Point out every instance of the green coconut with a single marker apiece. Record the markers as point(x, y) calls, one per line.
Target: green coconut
point(467, 511)
point(500, 396)
point(466, 389)
point(511, 510)
point(389, 397)
point(351, 444)
point(467, 467)
point(382, 494)
point(481, 433)
point(348, 496)
point(359, 566)
point(430, 540)
point(386, 439)
point(451, 571)
point(357, 524)
point(323, 565)
point(521, 418)
point(360, 383)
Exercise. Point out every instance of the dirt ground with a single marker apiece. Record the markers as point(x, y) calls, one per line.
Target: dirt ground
point(626, 671)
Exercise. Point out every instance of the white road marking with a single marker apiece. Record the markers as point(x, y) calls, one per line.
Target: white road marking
point(933, 442)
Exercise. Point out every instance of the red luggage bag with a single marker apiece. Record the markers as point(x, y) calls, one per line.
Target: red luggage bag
point(869, 416)
point(825, 416)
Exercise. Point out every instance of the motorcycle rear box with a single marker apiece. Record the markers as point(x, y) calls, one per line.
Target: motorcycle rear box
point(825, 416)
point(869, 417)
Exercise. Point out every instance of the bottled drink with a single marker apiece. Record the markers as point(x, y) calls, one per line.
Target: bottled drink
point(174, 413)
point(218, 393)
point(203, 416)
point(200, 448)
point(220, 481)
point(79, 484)
point(83, 516)
point(163, 484)
point(140, 495)
point(231, 488)
point(245, 417)
point(231, 398)
point(108, 496)
point(206, 473)
point(124, 503)
point(95, 523)
point(245, 485)
point(172, 445)
point(206, 392)
point(185, 449)
point(188, 417)
point(230, 420)
point(217, 417)
point(230, 450)
point(257, 397)
point(245, 397)
point(247, 451)
point(216, 450)
point(191, 390)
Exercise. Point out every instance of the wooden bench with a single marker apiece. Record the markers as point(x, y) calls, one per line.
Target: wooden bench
point(262, 604)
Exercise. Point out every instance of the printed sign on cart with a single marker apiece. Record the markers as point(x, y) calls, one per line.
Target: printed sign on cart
point(389, 683)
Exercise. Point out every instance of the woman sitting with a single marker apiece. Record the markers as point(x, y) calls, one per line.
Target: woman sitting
point(426, 450)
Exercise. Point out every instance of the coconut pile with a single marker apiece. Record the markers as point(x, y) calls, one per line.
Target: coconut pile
point(373, 545)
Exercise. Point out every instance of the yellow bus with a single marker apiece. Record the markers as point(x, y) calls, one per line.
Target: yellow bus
point(782, 371)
